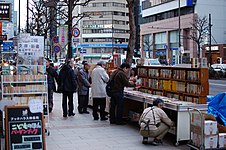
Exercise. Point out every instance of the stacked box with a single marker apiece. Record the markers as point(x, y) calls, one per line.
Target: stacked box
point(210, 132)
point(222, 140)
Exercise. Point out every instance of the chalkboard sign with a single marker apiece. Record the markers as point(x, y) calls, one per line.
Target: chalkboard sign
point(24, 130)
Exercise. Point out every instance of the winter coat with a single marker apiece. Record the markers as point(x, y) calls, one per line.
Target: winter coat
point(67, 79)
point(120, 80)
point(51, 75)
point(99, 79)
point(83, 82)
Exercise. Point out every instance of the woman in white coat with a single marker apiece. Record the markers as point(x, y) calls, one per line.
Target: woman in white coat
point(99, 80)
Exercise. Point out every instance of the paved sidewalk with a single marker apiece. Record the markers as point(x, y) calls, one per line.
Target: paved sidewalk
point(81, 132)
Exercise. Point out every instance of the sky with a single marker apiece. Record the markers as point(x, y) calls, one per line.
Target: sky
point(23, 11)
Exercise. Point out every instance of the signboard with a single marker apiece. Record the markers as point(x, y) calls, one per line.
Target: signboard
point(24, 130)
point(82, 51)
point(0, 28)
point(75, 32)
point(30, 58)
point(104, 45)
point(7, 46)
point(63, 36)
point(5, 12)
point(56, 48)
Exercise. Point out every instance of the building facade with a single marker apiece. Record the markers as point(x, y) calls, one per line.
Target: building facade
point(105, 31)
point(160, 27)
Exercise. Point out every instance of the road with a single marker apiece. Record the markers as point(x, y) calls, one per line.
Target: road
point(217, 86)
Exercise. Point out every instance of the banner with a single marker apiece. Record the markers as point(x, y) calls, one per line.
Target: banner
point(63, 30)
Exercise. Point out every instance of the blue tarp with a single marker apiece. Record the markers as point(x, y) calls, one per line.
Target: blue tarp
point(217, 107)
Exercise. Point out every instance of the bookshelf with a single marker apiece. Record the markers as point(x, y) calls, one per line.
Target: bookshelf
point(186, 84)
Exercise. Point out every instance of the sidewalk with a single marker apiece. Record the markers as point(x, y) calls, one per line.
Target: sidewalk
point(81, 132)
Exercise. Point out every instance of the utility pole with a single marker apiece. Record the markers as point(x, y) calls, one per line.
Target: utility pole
point(210, 34)
point(27, 16)
point(19, 18)
point(112, 36)
point(69, 52)
point(179, 43)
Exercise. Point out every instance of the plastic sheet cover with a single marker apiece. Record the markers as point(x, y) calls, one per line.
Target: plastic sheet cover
point(217, 107)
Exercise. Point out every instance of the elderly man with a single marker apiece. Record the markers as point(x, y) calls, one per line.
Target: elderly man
point(99, 79)
point(83, 90)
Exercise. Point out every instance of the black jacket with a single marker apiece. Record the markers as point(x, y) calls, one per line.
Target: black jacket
point(51, 75)
point(67, 79)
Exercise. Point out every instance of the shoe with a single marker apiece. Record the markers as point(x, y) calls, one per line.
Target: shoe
point(102, 119)
point(64, 116)
point(145, 140)
point(156, 142)
point(50, 110)
point(85, 112)
point(72, 114)
point(121, 123)
point(112, 122)
point(96, 118)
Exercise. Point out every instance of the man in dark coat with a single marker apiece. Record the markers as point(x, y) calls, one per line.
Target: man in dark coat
point(120, 80)
point(68, 83)
point(51, 75)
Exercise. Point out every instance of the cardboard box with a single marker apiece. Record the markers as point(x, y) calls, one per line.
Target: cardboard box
point(210, 127)
point(222, 140)
point(209, 141)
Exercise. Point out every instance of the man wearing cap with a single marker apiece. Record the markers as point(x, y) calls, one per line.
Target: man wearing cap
point(99, 79)
point(83, 90)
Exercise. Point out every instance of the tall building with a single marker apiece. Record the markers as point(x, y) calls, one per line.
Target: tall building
point(160, 28)
point(105, 31)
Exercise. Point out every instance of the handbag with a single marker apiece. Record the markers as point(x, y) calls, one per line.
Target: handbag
point(110, 85)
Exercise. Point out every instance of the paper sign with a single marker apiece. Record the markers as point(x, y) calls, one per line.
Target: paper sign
point(35, 105)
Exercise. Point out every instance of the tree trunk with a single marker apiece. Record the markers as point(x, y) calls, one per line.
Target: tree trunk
point(132, 32)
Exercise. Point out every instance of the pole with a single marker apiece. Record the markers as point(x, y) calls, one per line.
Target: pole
point(179, 42)
point(69, 52)
point(112, 35)
point(210, 34)
point(19, 18)
point(27, 16)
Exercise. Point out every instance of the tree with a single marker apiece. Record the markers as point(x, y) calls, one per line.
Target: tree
point(132, 32)
point(199, 31)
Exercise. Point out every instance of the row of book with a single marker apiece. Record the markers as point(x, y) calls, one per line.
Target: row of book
point(193, 88)
point(153, 72)
point(142, 71)
point(165, 73)
point(179, 74)
point(25, 89)
point(178, 86)
point(23, 78)
point(23, 100)
point(193, 75)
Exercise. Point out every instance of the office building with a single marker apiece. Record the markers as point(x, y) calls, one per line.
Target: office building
point(160, 24)
point(105, 31)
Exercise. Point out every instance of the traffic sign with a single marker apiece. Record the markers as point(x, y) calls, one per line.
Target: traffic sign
point(56, 48)
point(75, 32)
point(56, 39)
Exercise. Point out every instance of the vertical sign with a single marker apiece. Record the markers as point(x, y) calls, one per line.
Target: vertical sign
point(24, 130)
point(0, 28)
point(63, 36)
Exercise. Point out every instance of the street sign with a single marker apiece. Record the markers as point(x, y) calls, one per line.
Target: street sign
point(82, 51)
point(75, 32)
point(56, 39)
point(56, 48)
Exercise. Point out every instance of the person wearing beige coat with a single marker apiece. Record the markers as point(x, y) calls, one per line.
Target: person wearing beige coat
point(99, 80)
point(154, 122)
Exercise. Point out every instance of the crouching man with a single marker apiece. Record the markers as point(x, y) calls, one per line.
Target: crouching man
point(155, 123)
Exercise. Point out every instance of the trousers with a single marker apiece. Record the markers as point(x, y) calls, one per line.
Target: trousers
point(116, 107)
point(68, 95)
point(83, 101)
point(99, 103)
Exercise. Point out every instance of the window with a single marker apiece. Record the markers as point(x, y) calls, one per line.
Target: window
point(160, 40)
point(174, 39)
